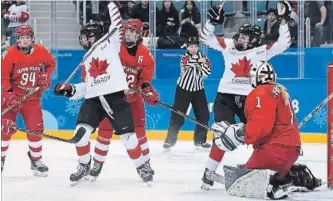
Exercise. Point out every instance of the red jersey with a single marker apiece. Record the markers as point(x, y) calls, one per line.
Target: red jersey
point(270, 119)
point(138, 68)
point(21, 71)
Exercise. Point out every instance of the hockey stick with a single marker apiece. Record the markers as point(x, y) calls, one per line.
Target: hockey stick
point(314, 111)
point(173, 110)
point(73, 140)
point(86, 56)
point(27, 95)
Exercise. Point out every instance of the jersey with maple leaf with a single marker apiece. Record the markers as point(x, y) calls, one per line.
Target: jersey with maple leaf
point(104, 72)
point(238, 63)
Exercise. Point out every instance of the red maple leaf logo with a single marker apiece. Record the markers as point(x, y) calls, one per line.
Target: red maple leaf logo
point(242, 68)
point(98, 67)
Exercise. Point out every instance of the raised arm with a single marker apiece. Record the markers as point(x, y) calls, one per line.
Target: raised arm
point(116, 24)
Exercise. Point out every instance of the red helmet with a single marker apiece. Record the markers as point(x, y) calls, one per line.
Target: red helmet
point(134, 36)
point(23, 30)
point(133, 24)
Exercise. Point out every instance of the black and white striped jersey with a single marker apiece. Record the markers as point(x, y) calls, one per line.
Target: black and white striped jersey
point(192, 72)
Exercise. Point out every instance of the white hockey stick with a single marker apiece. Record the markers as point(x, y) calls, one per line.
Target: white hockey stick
point(106, 37)
point(314, 111)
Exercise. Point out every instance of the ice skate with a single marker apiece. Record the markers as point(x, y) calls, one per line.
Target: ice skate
point(82, 174)
point(95, 171)
point(280, 192)
point(150, 170)
point(38, 167)
point(170, 141)
point(207, 183)
point(143, 172)
point(202, 146)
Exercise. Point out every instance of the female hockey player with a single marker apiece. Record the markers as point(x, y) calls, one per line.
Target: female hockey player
point(272, 130)
point(240, 53)
point(138, 65)
point(25, 66)
point(104, 94)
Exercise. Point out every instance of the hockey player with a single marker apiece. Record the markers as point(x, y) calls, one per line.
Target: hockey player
point(240, 53)
point(25, 66)
point(272, 130)
point(103, 90)
point(138, 65)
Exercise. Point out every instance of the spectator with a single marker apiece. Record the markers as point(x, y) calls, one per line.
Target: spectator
point(271, 27)
point(126, 9)
point(17, 14)
point(4, 24)
point(168, 19)
point(316, 11)
point(329, 23)
point(190, 14)
point(141, 11)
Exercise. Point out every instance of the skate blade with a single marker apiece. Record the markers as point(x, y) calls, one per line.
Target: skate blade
point(83, 180)
point(37, 173)
point(92, 178)
point(167, 150)
point(149, 183)
point(201, 149)
point(205, 187)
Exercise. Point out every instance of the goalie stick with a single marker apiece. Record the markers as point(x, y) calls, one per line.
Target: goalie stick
point(91, 50)
point(27, 95)
point(73, 140)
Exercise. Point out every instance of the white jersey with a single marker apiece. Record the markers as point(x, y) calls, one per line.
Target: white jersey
point(15, 10)
point(238, 63)
point(103, 68)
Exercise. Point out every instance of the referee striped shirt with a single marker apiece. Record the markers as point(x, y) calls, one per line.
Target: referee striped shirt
point(192, 72)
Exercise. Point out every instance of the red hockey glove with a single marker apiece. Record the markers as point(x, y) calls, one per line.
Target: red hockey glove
point(68, 90)
point(151, 95)
point(7, 127)
point(44, 81)
point(11, 99)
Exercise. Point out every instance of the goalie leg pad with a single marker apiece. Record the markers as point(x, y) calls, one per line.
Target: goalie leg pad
point(242, 182)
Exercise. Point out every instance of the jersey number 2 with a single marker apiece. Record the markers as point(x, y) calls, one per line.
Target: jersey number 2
point(28, 77)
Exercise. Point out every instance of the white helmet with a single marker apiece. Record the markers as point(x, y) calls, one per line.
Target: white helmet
point(262, 73)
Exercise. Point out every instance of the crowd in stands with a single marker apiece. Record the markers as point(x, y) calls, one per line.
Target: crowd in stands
point(13, 14)
point(178, 20)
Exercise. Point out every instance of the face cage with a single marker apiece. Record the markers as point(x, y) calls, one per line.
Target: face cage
point(133, 39)
point(84, 40)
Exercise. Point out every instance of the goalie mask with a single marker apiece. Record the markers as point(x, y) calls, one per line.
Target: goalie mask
point(25, 38)
point(90, 33)
point(262, 73)
point(247, 37)
point(133, 30)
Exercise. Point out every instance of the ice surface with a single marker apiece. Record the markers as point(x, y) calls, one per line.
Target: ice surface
point(177, 178)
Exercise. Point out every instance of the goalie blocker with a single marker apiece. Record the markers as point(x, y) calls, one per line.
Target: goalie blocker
point(271, 129)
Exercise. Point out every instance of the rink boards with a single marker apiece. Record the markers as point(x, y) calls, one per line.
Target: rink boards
point(60, 114)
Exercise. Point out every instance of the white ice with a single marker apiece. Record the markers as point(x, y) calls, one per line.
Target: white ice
point(177, 177)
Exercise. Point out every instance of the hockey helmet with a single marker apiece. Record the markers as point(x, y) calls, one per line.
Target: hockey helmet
point(133, 29)
point(247, 37)
point(262, 73)
point(90, 33)
point(25, 44)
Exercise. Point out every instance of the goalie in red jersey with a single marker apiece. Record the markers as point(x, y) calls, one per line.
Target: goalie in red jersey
point(138, 65)
point(25, 66)
point(272, 130)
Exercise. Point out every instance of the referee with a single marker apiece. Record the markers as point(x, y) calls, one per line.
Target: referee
point(190, 89)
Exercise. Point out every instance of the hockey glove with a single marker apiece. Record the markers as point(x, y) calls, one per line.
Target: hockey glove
point(44, 81)
point(7, 126)
point(284, 9)
point(228, 137)
point(216, 15)
point(151, 97)
point(11, 99)
point(68, 90)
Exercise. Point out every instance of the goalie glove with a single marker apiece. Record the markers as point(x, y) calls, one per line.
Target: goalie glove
point(284, 9)
point(227, 137)
point(216, 15)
